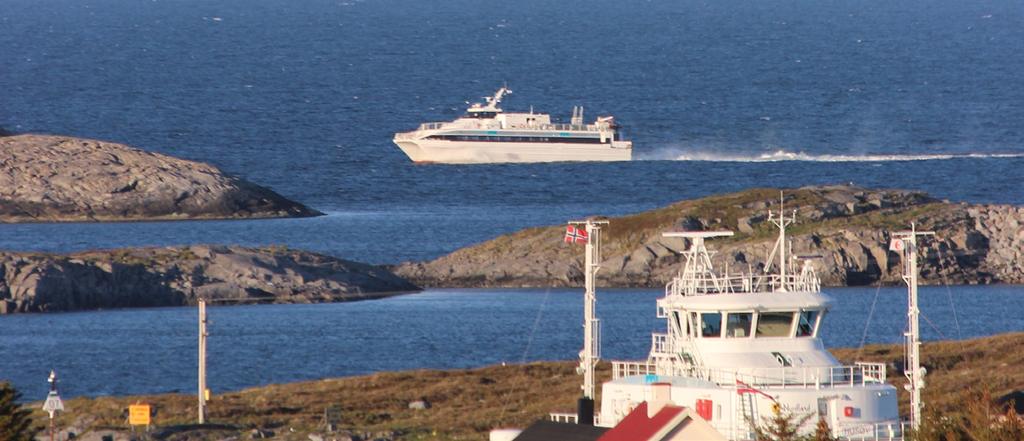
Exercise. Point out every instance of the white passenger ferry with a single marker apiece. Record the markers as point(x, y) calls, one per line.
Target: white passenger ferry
point(739, 347)
point(486, 134)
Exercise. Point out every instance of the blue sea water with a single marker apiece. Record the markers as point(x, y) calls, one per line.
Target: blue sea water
point(304, 97)
point(141, 351)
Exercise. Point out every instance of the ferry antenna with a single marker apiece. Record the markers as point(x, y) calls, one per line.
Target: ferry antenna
point(782, 222)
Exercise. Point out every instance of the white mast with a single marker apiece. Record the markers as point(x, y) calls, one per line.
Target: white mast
point(202, 360)
point(906, 243)
point(780, 245)
point(591, 352)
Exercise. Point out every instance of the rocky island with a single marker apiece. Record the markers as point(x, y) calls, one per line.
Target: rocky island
point(62, 179)
point(172, 276)
point(846, 225)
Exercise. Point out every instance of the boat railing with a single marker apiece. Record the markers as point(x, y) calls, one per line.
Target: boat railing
point(704, 284)
point(622, 369)
point(569, 127)
point(432, 126)
point(552, 127)
point(892, 431)
point(859, 374)
point(571, 418)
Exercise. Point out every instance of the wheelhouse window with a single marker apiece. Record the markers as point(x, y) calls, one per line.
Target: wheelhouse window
point(481, 115)
point(808, 321)
point(738, 324)
point(774, 324)
point(711, 324)
point(679, 321)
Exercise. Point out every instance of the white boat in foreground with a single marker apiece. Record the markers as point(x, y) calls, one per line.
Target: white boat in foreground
point(740, 347)
point(486, 134)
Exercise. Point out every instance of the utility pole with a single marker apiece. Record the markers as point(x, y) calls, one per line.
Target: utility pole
point(905, 242)
point(202, 361)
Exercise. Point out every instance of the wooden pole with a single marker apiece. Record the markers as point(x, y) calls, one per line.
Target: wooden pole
point(202, 361)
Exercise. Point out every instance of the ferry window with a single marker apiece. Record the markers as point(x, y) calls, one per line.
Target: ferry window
point(679, 324)
point(808, 319)
point(738, 324)
point(711, 324)
point(774, 324)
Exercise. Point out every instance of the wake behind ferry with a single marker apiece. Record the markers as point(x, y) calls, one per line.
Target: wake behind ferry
point(486, 134)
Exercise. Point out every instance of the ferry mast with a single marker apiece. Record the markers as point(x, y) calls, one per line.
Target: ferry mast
point(591, 352)
point(782, 222)
point(905, 242)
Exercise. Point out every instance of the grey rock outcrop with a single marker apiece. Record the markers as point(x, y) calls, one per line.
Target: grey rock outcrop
point(137, 277)
point(847, 226)
point(57, 179)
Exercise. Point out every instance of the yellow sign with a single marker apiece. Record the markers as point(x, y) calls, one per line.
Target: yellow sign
point(138, 414)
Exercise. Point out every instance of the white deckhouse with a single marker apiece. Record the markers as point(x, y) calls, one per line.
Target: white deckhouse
point(737, 346)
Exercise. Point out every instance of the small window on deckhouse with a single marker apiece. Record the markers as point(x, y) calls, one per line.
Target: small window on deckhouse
point(808, 321)
point(774, 324)
point(738, 324)
point(711, 324)
point(678, 321)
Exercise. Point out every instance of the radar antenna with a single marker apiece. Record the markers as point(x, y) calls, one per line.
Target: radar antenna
point(698, 270)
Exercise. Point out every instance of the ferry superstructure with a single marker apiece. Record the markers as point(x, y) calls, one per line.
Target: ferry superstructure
point(739, 347)
point(487, 134)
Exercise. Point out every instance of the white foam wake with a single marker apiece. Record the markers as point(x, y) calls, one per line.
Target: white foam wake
point(783, 155)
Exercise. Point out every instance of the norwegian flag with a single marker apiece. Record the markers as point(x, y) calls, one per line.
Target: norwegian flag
point(744, 388)
point(575, 235)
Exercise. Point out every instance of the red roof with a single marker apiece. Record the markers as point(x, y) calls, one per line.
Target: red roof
point(637, 427)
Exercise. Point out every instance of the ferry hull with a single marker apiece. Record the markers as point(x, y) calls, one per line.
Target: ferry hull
point(448, 152)
point(852, 412)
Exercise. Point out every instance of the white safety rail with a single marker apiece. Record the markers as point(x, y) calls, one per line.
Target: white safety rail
point(698, 284)
point(851, 432)
point(571, 418)
point(433, 125)
point(564, 417)
point(859, 374)
point(553, 127)
point(622, 369)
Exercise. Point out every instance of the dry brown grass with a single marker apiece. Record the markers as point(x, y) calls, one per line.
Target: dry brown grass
point(468, 403)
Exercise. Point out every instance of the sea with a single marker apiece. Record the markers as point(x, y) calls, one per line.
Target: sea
point(304, 97)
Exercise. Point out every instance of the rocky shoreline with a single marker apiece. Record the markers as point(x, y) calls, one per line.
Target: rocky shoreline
point(175, 276)
point(46, 178)
point(846, 225)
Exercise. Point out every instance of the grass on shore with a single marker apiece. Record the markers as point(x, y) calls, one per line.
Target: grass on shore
point(466, 404)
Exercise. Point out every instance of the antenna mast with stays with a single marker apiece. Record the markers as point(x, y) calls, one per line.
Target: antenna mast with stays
point(905, 242)
point(780, 245)
point(591, 352)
